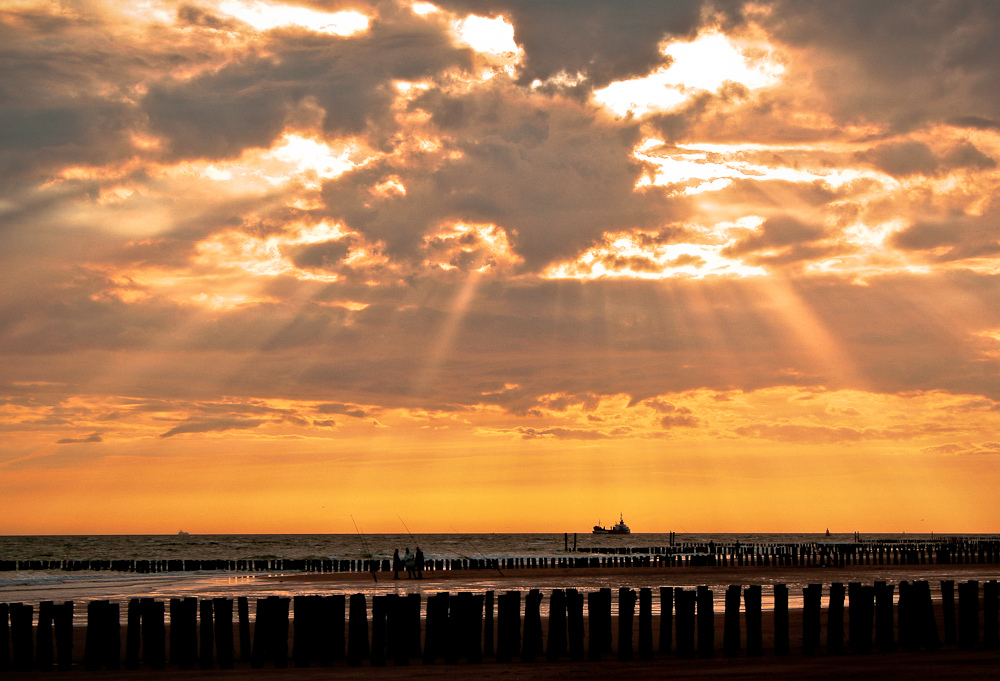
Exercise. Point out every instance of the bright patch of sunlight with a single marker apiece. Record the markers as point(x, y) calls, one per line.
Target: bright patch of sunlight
point(264, 16)
point(491, 36)
point(626, 255)
point(702, 64)
point(423, 8)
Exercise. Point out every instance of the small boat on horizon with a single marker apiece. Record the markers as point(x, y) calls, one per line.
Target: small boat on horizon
point(620, 528)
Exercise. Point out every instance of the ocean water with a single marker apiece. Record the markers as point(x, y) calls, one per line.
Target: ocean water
point(39, 585)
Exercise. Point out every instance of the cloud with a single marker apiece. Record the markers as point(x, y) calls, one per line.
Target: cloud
point(907, 158)
point(337, 408)
point(956, 237)
point(213, 425)
point(93, 437)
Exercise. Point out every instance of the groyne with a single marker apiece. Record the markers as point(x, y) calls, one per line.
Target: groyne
point(467, 627)
point(943, 552)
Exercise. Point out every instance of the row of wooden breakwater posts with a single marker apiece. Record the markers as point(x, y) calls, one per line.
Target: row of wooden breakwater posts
point(682, 555)
point(460, 627)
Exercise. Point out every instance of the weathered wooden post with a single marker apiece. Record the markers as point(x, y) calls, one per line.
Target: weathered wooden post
point(666, 618)
point(706, 622)
point(206, 660)
point(357, 630)
point(133, 634)
point(781, 641)
point(923, 608)
point(473, 628)
point(223, 612)
point(21, 641)
point(533, 645)
point(44, 648)
point(508, 626)
point(183, 632)
point(885, 637)
point(626, 619)
point(154, 634)
point(243, 608)
point(645, 624)
point(595, 604)
point(455, 636)
point(557, 647)
point(731, 622)
point(574, 607)
point(684, 601)
point(4, 637)
point(908, 626)
point(378, 631)
point(835, 620)
point(488, 599)
point(64, 635)
point(752, 605)
point(861, 613)
point(968, 614)
point(331, 617)
point(948, 611)
point(990, 606)
point(812, 597)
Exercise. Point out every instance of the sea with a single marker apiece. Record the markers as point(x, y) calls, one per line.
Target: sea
point(34, 586)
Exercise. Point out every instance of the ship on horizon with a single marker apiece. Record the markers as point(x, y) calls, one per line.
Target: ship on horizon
point(619, 528)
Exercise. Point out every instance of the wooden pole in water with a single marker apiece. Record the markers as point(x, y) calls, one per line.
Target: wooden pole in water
point(781, 641)
point(64, 635)
point(20, 636)
point(884, 618)
point(990, 612)
point(557, 626)
point(731, 629)
point(357, 630)
point(532, 646)
point(645, 624)
point(948, 610)
point(706, 622)
point(206, 660)
point(811, 596)
point(684, 602)
point(488, 624)
point(44, 648)
point(223, 611)
point(752, 600)
point(574, 608)
point(835, 620)
point(378, 631)
point(4, 637)
point(133, 633)
point(666, 618)
point(968, 614)
point(626, 620)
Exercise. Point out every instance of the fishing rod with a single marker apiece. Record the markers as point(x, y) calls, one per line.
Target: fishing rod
point(364, 545)
point(488, 560)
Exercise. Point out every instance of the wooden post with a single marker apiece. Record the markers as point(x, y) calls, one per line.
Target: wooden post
point(473, 628)
point(645, 624)
point(574, 607)
point(595, 642)
point(990, 622)
point(44, 648)
point(948, 611)
point(64, 635)
point(533, 645)
point(133, 634)
point(183, 632)
point(21, 641)
point(154, 632)
point(112, 653)
point(93, 641)
point(302, 630)
point(706, 622)
point(626, 620)
point(812, 597)
point(378, 631)
point(666, 618)
point(223, 611)
point(455, 637)
point(357, 630)
point(243, 613)
point(781, 642)
point(908, 626)
point(684, 601)
point(835, 620)
point(508, 626)
point(206, 659)
point(330, 629)
point(885, 627)
point(4, 637)
point(968, 614)
point(752, 599)
point(927, 630)
point(488, 647)
point(557, 626)
point(861, 613)
point(731, 622)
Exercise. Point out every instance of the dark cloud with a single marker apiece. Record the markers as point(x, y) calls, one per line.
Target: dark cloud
point(601, 42)
point(551, 173)
point(248, 102)
point(93, 437)
point(898, 62)
point(562, 434)
point(212, 425)
point(679, 421)
point(346, 410)
point(786, 240)
point(953, 238)
point(903, 159)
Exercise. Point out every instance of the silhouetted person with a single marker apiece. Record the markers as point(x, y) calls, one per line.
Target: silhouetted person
point(410, 561)
point(419, 563)
point(397, 564)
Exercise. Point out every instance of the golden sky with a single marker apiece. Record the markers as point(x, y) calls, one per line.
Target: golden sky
point(499, 265)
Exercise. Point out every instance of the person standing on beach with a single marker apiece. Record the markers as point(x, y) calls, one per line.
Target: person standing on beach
point(397, 563)
point(410, 561)
point(419, 563)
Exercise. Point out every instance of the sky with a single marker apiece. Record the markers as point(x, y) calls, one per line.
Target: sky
point(499, 266)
